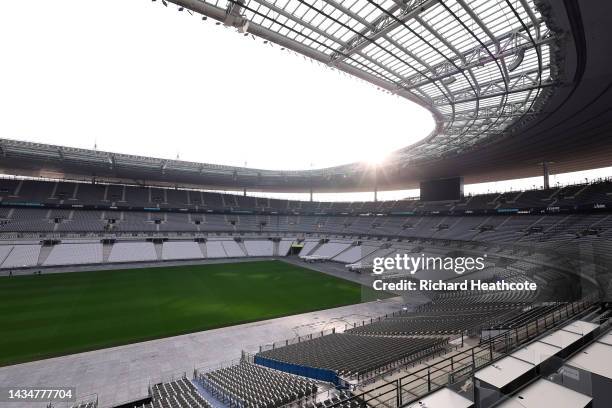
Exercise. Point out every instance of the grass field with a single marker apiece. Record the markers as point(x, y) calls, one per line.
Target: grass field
point(56, 314)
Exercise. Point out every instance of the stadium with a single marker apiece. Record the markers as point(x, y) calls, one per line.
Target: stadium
point(135, 281)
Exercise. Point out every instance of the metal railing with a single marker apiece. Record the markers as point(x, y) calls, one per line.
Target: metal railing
point(413, 386)
point(90, 401)
point(295, 340)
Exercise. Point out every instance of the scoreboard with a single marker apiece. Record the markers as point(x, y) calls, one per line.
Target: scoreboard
point(442, 189)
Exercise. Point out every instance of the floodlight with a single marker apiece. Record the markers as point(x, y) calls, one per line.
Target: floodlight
point(520, 56)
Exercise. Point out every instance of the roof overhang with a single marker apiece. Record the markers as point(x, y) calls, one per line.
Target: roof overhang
point(510, 90)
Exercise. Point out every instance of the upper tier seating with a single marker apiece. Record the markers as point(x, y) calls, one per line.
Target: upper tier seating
point(34, 191)
point(82, 221)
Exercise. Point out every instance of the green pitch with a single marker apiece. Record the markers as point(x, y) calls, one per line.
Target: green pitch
point(56, 314)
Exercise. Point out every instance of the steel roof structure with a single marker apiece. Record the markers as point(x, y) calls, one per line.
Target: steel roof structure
point(502, 79)
point(479, 66)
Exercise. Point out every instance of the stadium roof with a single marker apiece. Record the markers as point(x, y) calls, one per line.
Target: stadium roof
point(510, 83)
point(479, 66)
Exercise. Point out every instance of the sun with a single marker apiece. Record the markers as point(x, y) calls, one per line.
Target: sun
point(375, 158)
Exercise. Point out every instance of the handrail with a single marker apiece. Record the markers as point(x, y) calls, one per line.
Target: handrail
point(475, 357)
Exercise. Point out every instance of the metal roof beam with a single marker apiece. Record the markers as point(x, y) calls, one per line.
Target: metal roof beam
point(417, 59)
point(509, 110)
point(320, 37)
point(218, 14)
point(532, 16)
point(502, 93)
point(472, 59)
point(440, 38)
point(382, 25)
point(350, 13)
point(303, 23)
point(480, 23)
point(327, 35)
point(486, 86)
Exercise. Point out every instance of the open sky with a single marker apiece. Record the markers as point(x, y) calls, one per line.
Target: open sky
point(133, 76)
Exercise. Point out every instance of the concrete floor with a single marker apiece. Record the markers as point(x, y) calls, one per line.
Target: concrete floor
point(122, 374)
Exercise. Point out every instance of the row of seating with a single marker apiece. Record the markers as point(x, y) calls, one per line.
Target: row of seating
point(343, 399)
point(89, 404)
point(180, 393)
point(14, 190)
point(352, 355)
point(248, 385)
point(528, 315)
point(445, 324)
point(495, 228)
point(83, 252)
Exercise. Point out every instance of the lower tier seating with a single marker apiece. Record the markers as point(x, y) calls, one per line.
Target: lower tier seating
point(176, 394)
point(444, 324)
point(248, 385)
point(350, 355)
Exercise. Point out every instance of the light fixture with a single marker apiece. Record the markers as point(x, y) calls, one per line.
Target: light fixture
point(449, 80)
point(244, 28)
point(520, 56)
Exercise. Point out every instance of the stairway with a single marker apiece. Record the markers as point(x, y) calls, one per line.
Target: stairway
point(158, 250)
point(106, 250)
point(243, 247)
point(203, 249)
point(44, 254)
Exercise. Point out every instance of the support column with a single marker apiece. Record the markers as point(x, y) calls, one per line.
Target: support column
point(376, 183)
point(311, 194)
point(244, 192)
point(546, 175)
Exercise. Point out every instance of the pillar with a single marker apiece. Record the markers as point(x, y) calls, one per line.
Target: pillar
point(546, 175)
